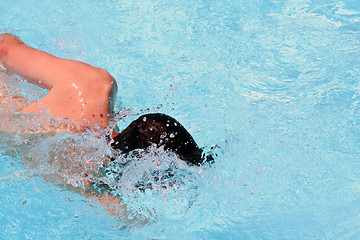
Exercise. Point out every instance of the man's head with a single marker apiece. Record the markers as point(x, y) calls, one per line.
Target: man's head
point(161, 130)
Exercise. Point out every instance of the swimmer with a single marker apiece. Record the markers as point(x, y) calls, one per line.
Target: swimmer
point(86, 95)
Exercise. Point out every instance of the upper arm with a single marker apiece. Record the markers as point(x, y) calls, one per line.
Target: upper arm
point(77, 90)
point(38, 67)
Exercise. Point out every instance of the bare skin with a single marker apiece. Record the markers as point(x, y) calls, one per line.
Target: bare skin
point(77, 91)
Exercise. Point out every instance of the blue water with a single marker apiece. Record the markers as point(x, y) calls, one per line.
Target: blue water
point(274, 85)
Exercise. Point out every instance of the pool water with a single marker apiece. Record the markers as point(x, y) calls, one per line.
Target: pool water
point(272, 86)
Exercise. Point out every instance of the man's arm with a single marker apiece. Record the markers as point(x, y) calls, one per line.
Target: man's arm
point(38, 67)
point(78, 90)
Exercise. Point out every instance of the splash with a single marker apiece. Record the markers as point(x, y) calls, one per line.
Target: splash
point(152, 183)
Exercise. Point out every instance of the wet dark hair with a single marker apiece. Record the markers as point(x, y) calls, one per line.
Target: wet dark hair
point(160, 130)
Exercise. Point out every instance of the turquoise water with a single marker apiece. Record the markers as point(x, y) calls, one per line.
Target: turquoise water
point(274, 85)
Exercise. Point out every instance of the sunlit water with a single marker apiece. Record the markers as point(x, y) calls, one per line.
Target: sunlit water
point(272, 85)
